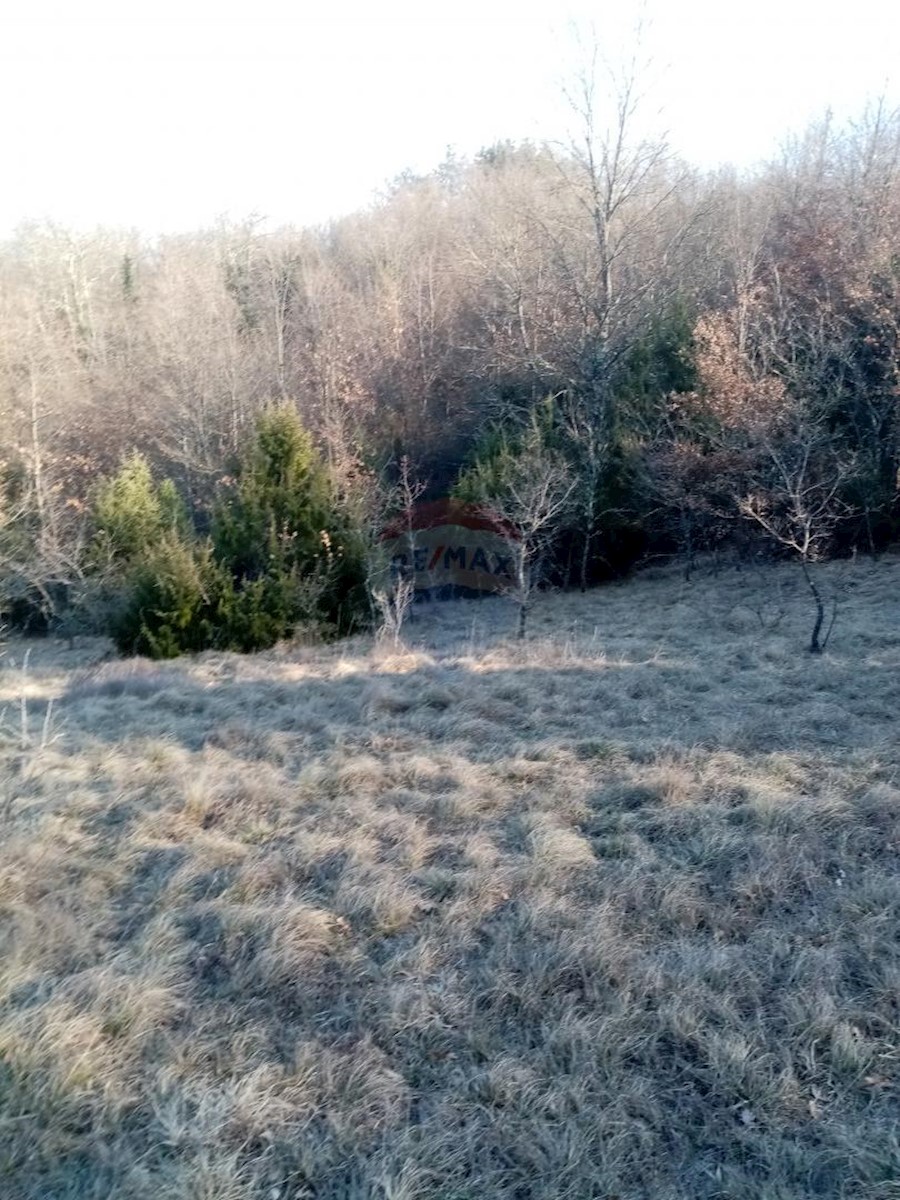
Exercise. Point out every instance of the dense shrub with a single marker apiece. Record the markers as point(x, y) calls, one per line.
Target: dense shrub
point(175, 596)
point(281, 556)
point(277, 529)
point(274, 512)
point(131, 513)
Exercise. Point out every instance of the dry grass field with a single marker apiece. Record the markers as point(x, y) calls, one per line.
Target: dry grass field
point(611, 914)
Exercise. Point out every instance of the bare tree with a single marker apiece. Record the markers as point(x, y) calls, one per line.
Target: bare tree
point(590, 444)
point(624, 186)
point(374, 503)
point(395, 599)
point(621, 182)
point(530, 495)
point(798, 505)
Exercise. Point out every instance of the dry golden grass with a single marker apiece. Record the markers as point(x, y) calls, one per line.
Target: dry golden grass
point(613, 913)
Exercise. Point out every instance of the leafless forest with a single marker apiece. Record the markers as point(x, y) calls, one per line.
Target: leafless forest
point(713, 357)
point(607, 910)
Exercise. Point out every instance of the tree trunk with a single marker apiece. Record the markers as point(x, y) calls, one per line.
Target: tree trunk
point(687, 541)
point(815, 646)
point(873, 549)
point(522, 582)
point(585, 558)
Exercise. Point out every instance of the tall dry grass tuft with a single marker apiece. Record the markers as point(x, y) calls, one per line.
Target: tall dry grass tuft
point(610, 912)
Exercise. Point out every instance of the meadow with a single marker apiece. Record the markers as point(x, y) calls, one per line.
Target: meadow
point(610, 914)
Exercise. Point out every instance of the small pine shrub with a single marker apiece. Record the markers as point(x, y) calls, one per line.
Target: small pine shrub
point(174, 600)
point(132, 513)
point(273, 516)
point(293, 558)
point(280, 555)
point(257, 613)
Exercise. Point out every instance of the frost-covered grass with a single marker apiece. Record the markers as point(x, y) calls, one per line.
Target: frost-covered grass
point(613, 913)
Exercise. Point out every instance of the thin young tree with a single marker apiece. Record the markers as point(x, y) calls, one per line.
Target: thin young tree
point(374, 501)
point(620, 189)
point(527, 488)
point(798, 504)
point(392, 585)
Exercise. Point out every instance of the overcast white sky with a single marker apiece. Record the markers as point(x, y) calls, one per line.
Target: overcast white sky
point(166, 116)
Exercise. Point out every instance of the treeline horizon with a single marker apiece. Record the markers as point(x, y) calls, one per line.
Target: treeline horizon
point(706, 357)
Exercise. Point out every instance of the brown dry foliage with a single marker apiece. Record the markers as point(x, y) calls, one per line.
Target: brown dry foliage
point(742, 397)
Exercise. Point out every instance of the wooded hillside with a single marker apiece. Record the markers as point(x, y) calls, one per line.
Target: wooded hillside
point(709, 356)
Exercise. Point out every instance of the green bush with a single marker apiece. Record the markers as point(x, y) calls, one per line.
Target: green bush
point(132, 513)
point(273, 516)
point(175, 595)
point(280, 555)
point(255, 615)
point(293, 557)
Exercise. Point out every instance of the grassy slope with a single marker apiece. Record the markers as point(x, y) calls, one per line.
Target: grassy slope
point(613, 914)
